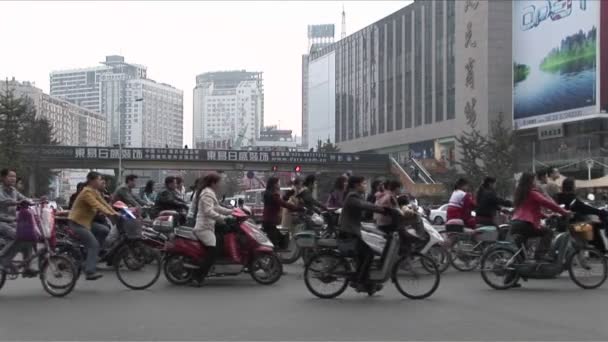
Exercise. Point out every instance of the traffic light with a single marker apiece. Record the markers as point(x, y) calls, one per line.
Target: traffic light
point(297, 169)
point(275, 168)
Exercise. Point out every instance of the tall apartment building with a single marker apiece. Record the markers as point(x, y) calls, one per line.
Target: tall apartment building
point(406, 84)
point(112, 89)
point(72, 125)
point(321, 99)
point(228, 105)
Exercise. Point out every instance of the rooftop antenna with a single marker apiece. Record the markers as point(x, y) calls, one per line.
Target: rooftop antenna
point(343, 23)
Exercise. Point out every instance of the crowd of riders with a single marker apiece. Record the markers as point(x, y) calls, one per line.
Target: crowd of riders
point(381, 203)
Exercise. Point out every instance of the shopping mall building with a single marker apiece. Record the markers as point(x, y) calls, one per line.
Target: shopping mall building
point(410, 83)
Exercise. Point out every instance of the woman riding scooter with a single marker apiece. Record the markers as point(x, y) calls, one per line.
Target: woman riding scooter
point(209, 213)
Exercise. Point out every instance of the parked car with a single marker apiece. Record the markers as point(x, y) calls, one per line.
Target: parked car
point(438, 216)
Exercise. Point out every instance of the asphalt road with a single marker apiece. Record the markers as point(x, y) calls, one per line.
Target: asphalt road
point(463, 308)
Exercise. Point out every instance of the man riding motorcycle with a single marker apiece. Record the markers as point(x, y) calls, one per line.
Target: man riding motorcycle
point(167, 199)
point(81, 220)
point(125, 194)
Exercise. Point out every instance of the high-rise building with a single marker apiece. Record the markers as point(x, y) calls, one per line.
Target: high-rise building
point(119, 91)
point(321, 92)
point(228, 105)
point(407, 84)
point(319, 37)
point(72, 125)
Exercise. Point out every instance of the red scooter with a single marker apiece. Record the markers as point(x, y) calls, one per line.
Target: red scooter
point(245, 249)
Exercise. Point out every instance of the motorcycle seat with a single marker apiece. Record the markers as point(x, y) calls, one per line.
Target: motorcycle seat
point(329, 243)
point(372, 228)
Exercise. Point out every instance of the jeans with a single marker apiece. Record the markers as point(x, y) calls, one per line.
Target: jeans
point(522, 231)
point(101, 232)
point(91, 243)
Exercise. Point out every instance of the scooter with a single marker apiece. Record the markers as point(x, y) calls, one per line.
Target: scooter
point(504, 264)
point(430, 242)
point(393, 259)
point(245, 249)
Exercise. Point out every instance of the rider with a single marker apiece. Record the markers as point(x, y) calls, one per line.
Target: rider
point(388, 199)
point(336, 197)
point(88, 203)
point(529, 201)
point(461, 205)
point(307, 198)
point(209, 213)
point(376, 191)
point(167, 199)
point(125, 193)
point(351, 218)
point(272, 212)
point(79, 188)
point(148, 194)
point(488, 203)
point(9, 198)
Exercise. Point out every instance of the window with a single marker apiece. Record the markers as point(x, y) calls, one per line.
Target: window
point(418, 66)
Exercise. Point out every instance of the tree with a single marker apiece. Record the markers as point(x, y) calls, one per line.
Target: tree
point(488, 155)
point(38, 132)
point(233, 182)
point(327, 147)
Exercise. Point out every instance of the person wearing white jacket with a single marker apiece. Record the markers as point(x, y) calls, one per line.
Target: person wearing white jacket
point(209, 213)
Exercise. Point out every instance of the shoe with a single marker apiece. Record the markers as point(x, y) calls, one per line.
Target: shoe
point(93, 276)
point(196, 282)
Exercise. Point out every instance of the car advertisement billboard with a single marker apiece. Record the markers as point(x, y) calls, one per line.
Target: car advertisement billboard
point(555, 61)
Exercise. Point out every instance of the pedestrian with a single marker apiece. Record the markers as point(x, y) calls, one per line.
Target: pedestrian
point(335, 199)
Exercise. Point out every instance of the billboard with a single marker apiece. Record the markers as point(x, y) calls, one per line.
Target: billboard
point(555, 61)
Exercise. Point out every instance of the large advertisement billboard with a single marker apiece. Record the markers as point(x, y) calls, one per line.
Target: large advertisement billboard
point(555, 61)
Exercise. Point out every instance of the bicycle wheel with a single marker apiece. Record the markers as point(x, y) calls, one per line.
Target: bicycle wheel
point(441, 256)
point(463, 255)
point(58, 275)
point(494, 270)
point(137, 265)
point(416, 276)
point(2, 279)
point(326, 275)
point(587, 268)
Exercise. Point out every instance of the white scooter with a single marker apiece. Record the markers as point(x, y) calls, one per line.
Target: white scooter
point(432, 243)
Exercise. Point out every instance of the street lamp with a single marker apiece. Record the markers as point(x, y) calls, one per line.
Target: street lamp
point(120, 142)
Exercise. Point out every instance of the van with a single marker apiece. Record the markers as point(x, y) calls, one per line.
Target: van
point(255, 201)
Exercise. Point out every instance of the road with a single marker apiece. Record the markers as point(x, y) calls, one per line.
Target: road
point(463, 308)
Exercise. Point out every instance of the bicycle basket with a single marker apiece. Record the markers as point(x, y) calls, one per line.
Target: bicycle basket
point(583, 230)
point(131, 228)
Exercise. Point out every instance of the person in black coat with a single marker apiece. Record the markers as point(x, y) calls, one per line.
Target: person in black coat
point(488, 203)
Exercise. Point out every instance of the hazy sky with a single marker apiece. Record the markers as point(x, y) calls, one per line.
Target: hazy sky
point(178, 40)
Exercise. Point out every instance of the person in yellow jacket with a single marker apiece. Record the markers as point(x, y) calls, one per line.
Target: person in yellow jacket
point(88, 203)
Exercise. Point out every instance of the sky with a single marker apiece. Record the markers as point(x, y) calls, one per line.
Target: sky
point(177, 40)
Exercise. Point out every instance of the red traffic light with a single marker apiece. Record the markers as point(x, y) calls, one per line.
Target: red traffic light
point(298, 169)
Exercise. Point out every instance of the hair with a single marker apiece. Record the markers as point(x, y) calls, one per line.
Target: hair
point(310, 180)
point(149, 188)
point(461, 182)
point(130, 178)
point(353, 181)
point(19, 179)
point(297, 181)
point(524, 186)
point(486, 184)
point(403, 200)
point(209, 180)
point(339, 183)
point(542, 173)
point(169, 180)
point(392, 185)
point(271, 182)
point(79, 186)
point(4, 172)
point(93, 175)
point(568, 185)
point(375, 185)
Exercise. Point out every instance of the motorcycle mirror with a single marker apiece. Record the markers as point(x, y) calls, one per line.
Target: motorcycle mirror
point(591, 197)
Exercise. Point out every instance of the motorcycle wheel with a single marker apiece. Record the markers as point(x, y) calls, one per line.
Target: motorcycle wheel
point(58, 275)
point(175, 272)
point(410, 270)
point(132, 259)
point(271, 268)
point(325, 270)
point(588, 260)
point(493, 265)
point(460, 259)
point(291, 255)
point(441, 256)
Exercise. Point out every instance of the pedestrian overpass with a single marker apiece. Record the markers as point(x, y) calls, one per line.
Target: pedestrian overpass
point(80, 157)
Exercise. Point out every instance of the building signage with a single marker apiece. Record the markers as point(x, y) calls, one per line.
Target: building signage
point(470, 50)
point(555, 61)
point(550, 132)
point(198, 155)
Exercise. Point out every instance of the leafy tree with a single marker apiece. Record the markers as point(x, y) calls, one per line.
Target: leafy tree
point(38, 132)
point(472, 146)
point(233, 183)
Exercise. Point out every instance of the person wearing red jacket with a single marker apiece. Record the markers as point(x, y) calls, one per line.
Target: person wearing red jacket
point(272, 212)
point(529, 202)
point(461, 204)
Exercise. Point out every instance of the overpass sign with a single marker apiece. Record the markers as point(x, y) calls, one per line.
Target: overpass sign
point(57, 155)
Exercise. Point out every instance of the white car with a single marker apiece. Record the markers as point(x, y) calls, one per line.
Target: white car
point(438, 216)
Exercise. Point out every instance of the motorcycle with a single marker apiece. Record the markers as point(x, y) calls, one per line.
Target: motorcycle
point(394, 258)
point(504, 264)
point(430, 242)
point(128, 252)
point(246, 249)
